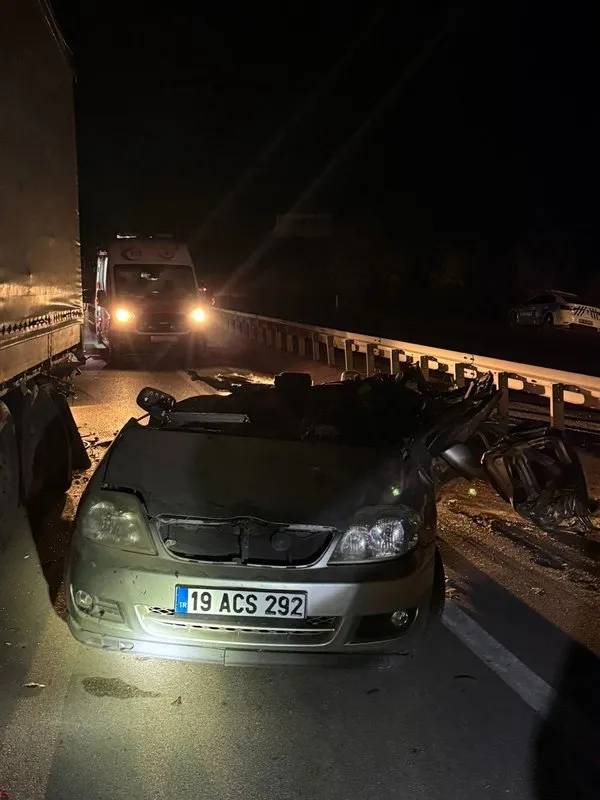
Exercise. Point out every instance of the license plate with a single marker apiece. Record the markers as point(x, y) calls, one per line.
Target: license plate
point(164, 338)
point(239, 602)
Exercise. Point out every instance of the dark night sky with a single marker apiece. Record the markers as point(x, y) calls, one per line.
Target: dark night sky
point(494, 138)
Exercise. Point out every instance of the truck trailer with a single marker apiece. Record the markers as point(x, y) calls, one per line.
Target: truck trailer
point(41, 313)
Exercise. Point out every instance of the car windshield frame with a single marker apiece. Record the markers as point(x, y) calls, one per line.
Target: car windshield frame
point(254, 414)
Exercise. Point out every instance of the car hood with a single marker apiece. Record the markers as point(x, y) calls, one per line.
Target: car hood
point(213, 475)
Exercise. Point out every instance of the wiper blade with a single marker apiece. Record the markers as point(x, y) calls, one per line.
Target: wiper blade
point(206, 418)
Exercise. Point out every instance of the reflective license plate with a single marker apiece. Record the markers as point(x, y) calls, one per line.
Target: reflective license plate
point(239, 602)
point(165, 338)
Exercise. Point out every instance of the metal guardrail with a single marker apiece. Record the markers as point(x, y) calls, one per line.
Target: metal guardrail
point(319, 343)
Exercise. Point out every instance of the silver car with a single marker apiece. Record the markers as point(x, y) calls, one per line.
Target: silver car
point(279, 524)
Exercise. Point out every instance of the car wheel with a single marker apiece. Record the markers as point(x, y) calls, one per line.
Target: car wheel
point(548, 320)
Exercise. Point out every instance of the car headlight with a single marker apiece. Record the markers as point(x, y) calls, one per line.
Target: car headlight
point(198, 315)
point(377, 534)
point(116, 519)
point(124, 315)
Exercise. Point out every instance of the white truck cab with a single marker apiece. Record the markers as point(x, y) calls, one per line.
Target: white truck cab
point(148, 296)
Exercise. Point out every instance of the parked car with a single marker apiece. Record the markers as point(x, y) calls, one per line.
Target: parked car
point(556, 308)
point(294, 523)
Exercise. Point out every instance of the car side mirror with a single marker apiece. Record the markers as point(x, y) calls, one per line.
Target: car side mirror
point(156, 403)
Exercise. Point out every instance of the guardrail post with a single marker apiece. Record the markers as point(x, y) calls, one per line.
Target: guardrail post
point(370, 359)
point(301, 344)
point(316, 347)
point(349, 353)
point(394, 362)
point(503, 387)
point(330, 351)
point(289, 342)
point(278, 338)
point(459, 375)
point(424, 361)
point(557, 406)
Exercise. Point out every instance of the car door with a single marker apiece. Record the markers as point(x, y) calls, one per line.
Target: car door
point(533, 310)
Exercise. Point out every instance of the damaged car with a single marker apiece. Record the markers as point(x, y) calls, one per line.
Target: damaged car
point(295, 523)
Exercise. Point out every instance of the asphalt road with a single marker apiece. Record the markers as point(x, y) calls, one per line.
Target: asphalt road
point(498, 704)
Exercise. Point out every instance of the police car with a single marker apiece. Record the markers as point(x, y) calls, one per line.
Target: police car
point(556, 308)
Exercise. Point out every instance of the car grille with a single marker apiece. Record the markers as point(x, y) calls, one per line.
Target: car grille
point(164, 623)
point(163, 322)
point(244, 541)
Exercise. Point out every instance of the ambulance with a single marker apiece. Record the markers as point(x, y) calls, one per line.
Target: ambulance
point(148, 298)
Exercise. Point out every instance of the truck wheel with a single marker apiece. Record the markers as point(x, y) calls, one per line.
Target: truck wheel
point(9, 463)
point(53, 461)
point(79, 457)
point(45, 449)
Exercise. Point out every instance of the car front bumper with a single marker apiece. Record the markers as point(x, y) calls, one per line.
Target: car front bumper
point(134, 611)
point(134, 342)
point(573, 319)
